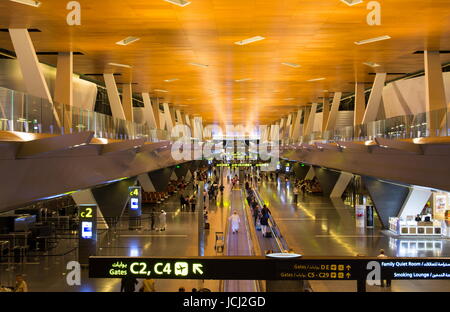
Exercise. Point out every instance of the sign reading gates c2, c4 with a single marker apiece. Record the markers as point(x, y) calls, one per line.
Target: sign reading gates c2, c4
point(159, 269)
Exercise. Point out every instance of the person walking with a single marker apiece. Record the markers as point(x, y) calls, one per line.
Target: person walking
point(162, 220)
point(264, 221)
point(193, 202)
point(295, 194)
point(182, 202)
point(235, 220)
point(152, 219)
point(386, 282)
point(21, 285)
point(128, 284)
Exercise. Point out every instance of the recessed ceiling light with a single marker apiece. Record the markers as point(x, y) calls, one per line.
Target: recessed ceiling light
point(199, 65)
point(32, 3)
point(373, 65)
point(373, 40)
point(160, 90)
point(351, 2)
point(170, 80)
point(127, 41)
point(181, 3)
point(120, 65)
point(245, 79)
point(249, 40)
point(315, 79)
point(291, 64)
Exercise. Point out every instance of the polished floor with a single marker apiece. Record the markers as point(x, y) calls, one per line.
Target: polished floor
point(319, 226)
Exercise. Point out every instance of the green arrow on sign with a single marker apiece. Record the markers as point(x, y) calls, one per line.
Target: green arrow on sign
point(197, 268)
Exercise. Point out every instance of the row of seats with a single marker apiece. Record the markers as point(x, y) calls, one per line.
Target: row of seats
point(154, 197)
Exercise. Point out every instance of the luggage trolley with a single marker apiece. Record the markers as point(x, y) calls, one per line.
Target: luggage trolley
point(220, 242)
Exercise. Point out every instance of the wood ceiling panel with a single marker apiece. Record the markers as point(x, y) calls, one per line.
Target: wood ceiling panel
point(318, 35)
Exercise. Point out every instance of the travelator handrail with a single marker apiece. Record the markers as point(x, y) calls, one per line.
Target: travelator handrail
point(281, 242)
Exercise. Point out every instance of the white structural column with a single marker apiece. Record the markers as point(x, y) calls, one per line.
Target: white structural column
point(113, 97)
point(64, 79)
point(146, 183)
point(33, 76)
point(341, 184)
point(291, 127)
point(296, 128)
point(434, 91)
point(168, 117)
point(325, 112)
point(287, 130)
point(156, 113)
point(331, 123)
point(374, 102)
point(307, 112)
point(64, 88)
point(149, 116)
point(311, 119)
point(162, 119)
point(188, 121)
point(179, 117)
point(360, 103)
point(414, 203)
point(29, 64)
point(127, 101)
point(85, 197)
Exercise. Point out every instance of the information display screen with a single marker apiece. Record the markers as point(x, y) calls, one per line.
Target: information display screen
point(135, 201)
point(262, 268)
point(86, 229)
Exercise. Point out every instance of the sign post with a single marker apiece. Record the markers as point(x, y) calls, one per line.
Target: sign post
point(135, 205)
point(87, 233)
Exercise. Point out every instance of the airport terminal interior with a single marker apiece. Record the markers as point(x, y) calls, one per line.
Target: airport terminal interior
point(224, 146)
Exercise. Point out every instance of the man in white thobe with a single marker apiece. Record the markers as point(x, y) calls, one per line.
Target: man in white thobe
point(235, 220)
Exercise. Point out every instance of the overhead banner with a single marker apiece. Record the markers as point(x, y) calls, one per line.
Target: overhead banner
point(263, 268)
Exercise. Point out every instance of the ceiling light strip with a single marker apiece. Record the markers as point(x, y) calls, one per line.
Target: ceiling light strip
point(386, 37)
point(249, 40)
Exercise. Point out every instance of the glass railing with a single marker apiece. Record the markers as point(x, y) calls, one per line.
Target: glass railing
point(429, 124)
point(25, 113)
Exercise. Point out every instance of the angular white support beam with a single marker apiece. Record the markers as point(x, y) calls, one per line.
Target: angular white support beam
point(414, 203)
point(113, 97)
point(29, 64)
point(326, 112)
point(311, 173)
point(307, 112)
point(434, 91)
point(311, 119)
point(64, 79)
point(179, 117)
point(168, 117)
point(291, 127)
point(331, 123)
point(296, 130)
point(127, 101)
point(360, 103)
point(146, 183)
point(341, 184)
point(63, 93)
point(373, 105)
point(188, 121)
point(149, 116)
point(160, 122)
